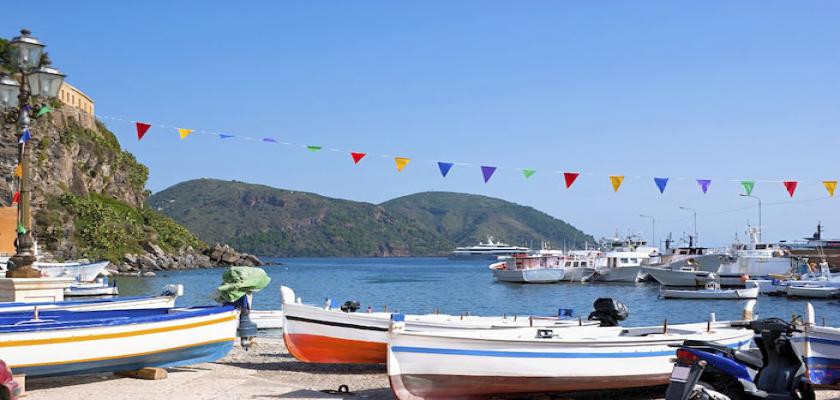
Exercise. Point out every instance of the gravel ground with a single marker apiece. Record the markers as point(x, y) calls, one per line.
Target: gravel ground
point(267, 371)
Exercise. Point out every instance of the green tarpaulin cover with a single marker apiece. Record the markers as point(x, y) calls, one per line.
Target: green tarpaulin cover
point(239, 281)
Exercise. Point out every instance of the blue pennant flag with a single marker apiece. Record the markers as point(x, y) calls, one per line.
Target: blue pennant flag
point(661, 183)
point(25, 136)
point(444, 167)
point(224, 136)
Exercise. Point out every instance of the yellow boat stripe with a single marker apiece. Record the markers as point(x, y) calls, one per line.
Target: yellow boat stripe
point(121, 356)
point(35, 342)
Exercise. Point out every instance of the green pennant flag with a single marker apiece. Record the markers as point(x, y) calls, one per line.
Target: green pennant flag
point(21, 229)
point(313, 148)
point(43, 110)
point(528, 172)
point(748, 186)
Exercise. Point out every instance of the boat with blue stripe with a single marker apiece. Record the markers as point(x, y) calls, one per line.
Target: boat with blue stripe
point(820, 346)
point(61, 342)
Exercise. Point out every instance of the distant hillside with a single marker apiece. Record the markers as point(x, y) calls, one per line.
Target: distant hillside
point(269, 221)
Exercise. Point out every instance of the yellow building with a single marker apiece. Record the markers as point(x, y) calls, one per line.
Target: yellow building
point(73, 97)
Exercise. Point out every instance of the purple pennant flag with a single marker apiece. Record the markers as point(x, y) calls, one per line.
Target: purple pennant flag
point(269, 140)
point(661, 183)
point(704, 184)
point(444, 168)
point(487, 172)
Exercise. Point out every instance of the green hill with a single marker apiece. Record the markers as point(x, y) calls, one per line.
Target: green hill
point(269, 221)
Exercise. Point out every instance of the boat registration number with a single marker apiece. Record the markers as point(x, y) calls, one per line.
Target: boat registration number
point(680, 374)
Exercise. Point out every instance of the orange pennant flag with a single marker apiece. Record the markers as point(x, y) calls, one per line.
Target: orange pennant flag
point(18, 170)
point(830, 186)
point(616, 181)
point(401, 162)
point(184, 132)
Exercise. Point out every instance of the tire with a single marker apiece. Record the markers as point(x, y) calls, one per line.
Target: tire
point(803, 391)
point(723, 385)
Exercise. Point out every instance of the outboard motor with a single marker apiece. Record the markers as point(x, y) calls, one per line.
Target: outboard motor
point(350, 306)
point(608, 311)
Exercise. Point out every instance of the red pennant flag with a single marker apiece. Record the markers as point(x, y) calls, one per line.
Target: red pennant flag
point(791, 187)
point(570, 178)
point(16, 198)
point(142, 127)
point(357, 157)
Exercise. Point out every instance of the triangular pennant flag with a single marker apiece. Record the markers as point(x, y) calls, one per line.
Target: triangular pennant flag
point(18, 170)
point(570, 178)
point(43, 110)
point(704, 184)
point(487, 172)
point(790, 186)
point(401, 162)
point(357, 157)
point(142, 128)
point(16, 198)
point(184, 132)
point(830, 186)
point(313, 148)
point(444, 167)
point(748, 186)
point(21, 229)
point(269, 140)
point(661, 183)
point(225, 136)
point(528, 173)
point(25, 136)
point(616, 181)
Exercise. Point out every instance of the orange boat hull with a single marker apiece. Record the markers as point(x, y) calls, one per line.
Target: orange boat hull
point(324, 349)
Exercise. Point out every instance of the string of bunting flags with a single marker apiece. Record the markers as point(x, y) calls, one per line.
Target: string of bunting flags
point(487, 171)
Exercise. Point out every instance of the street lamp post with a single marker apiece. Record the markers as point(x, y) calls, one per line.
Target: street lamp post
point(652, 228)
point(35, 77)
point(759, 213)
point(695, 220)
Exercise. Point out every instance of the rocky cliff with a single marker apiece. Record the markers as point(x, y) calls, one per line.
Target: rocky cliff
point(88, 199)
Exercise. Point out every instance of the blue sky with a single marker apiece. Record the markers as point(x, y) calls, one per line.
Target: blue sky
point(719, 90)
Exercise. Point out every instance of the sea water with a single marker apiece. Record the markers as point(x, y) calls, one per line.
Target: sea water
point(421, 285)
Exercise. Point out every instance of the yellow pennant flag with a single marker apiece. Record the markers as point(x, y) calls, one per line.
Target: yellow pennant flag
point(18, 170)
point(401, 162)
point(830, 186)
point(184, 132)
point(616, 181)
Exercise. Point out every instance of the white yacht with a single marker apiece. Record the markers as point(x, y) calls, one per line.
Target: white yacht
point(755, 260)
point(487, 251)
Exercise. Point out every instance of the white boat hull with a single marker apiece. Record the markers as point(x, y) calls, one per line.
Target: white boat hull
point(80, 272)
point(532, 275)
point(723, 294)
point(820, 347)
point(578, 274)
point(669, 277)
point(141, 303)
point(730, 273)
point(425, 365)
point(267, 319)
point(812, 291)
point(621, 274)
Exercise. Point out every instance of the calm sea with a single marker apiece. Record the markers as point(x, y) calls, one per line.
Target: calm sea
point(419, 285)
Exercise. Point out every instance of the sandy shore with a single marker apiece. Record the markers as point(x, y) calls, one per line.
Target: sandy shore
point(267, 371)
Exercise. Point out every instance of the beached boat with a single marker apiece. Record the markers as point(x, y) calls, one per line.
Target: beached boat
point(516, 362)
point(712, 291)
point(49, 343)
point(529, 268)
point(820, 346)
point(166, 299)
point(331, 334)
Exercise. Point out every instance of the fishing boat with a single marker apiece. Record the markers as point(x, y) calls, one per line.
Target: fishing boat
point(579, 265)
point(520, 361)
point(623, 260)
point(81, 272)
point(489, 250)
point(817, 247)
point(267, 319)
point(685, 266)
point(712, 291)
point(166, 299)
point(754, 259)
point(812, 291)
point(60, 342)
point(91, 289)
point(333, 334)
point(820, 346)
point(529, 268)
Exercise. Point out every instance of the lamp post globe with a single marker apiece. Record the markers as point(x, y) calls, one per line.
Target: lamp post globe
point(9, 91)
point(26, 50)
point(45, 82)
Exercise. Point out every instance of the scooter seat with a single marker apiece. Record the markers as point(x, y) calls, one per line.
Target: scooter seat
point(748, 357)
